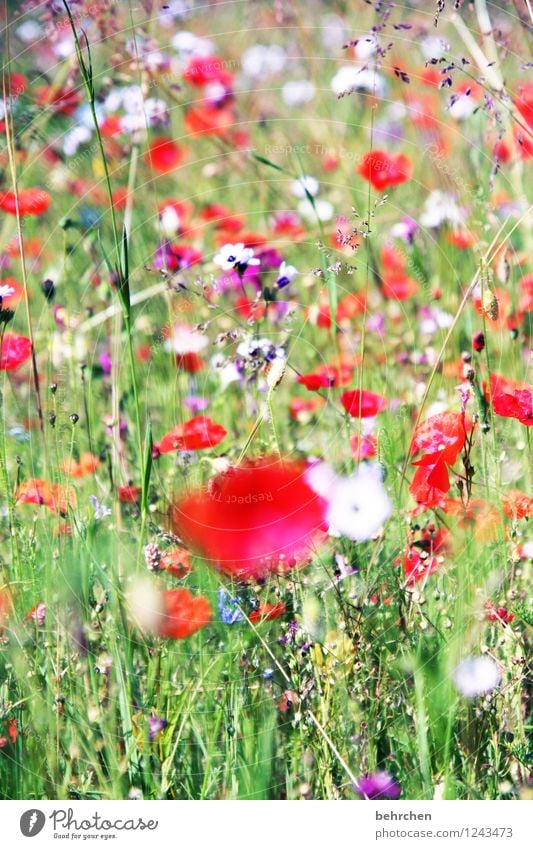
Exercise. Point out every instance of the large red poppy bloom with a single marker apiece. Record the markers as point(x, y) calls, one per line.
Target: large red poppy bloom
point(439, 438)
point(164, 155)
point(512, 399)
point(255, 518)
point(14, 351)
point(363, 405)
point(430, 484)
point(31, 202)
point(383, 170)
point(199, 432)
point(183, 614)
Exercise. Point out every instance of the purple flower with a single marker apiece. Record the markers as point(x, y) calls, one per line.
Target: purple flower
point(196, 404)
point(155, 725)
point(104, 358)
point(378, 785)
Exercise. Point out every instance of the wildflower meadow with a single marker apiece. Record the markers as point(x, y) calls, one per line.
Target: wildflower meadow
point(266, 400)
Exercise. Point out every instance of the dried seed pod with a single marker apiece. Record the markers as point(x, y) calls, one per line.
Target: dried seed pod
point(490, 305)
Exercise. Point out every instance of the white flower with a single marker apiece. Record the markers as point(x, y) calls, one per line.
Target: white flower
point(298, 92)
point(357, 506)
point(333, 31)
point(323, 210)
point(262, 60)
point(366, 47)
point(6, 291)
point(186, 340)
point(77, 136)
point(169, 221)
point(230, 256)
point(304, 186)
point(145, 605)
point(434, 47)
point(286, 273)
point(439, 207)
point(29, 32)
point(476, 675)
point(356, 78)
point(463, 107)
point(188, 44)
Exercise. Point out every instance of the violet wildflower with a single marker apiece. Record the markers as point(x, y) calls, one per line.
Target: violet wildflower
point(155, 725)
point(100, 510)
point(378, 785)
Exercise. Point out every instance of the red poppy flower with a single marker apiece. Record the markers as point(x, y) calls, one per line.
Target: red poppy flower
point(56, 497)
point(129, 494)
point(351, 305)
point(208, 120)
point(268, 612)
point(417, 565)
point(189, 362)
point(430, 484)
point(222, 217)
point(524, 102)
point(164, 155)
point(525, 303)
point(182, 256)
point(255, 518)
point(111, 126)
point(363, 405)
point(199, 432)
point(14, 351)
point(440, 438)
point(517, 505)
point(203, 70)
point(512, 399)
point(501, 151)
point(87, 465)
point(176, 561)
point(5, 608)
point(399, 287)
point(363, 448)
point(462, 239)
point(64, 100)
point(11, 301)
point(383, 170)
point(317, 380)
point(183, 614)
point(31, 202)
point(302, 409)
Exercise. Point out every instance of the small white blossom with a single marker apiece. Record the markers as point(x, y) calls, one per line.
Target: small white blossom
point(322, 209)
point(286, 273)
point(6, 291)
point(262, 60)
point(476, 676)
point(232, 256)
point(358, 78)
point(298, 92)
point(358, 506)
point(441, 207)
point(304, 186)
